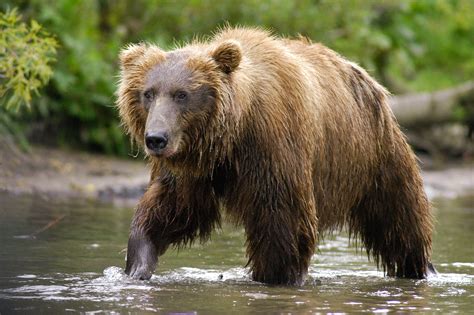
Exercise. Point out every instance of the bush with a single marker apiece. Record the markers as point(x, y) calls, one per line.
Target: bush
point(26, 54)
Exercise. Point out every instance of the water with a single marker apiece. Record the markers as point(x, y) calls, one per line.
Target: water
point(58, 257)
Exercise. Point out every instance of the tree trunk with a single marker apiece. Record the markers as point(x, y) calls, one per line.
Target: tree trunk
point(425, 109)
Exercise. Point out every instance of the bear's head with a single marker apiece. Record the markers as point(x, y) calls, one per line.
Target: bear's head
point(176, 104)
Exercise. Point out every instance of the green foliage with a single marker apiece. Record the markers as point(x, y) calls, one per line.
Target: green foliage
point(26, 52)
point(78, 106)
point(408, 45)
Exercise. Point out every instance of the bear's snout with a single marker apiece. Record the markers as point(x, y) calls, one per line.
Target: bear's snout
point(156, 142)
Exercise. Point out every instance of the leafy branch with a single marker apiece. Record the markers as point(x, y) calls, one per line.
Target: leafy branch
point(26, 54)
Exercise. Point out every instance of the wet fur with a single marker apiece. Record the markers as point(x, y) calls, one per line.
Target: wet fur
point(301, 142)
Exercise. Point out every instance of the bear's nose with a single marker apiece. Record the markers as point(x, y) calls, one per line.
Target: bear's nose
point(156, 141)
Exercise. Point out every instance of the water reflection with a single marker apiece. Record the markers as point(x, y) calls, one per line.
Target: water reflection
point(67, 267)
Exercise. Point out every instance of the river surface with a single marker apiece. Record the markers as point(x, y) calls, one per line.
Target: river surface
point(67, 257)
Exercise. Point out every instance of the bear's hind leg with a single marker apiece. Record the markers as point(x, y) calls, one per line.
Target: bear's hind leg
point(394, 221)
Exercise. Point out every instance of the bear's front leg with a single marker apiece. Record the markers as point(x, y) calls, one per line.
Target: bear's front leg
point(163, 219)
point(281, 241)
point(142, 255)
point(142, 251)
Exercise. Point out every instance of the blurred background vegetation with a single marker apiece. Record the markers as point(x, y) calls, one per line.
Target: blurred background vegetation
point(409, 45)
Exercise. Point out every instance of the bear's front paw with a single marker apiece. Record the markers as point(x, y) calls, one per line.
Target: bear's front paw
point(141, 258)
point(139, 271)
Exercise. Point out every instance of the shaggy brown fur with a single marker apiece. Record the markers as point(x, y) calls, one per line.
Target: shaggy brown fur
point(286, 136)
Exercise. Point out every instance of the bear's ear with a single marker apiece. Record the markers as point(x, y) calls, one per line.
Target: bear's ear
point(142, 55)
point(131, 54)
point(227, 55)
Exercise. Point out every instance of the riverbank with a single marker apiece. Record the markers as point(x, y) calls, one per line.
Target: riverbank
point(55, 173)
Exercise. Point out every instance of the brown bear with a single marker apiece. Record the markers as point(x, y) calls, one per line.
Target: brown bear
point(287, 137)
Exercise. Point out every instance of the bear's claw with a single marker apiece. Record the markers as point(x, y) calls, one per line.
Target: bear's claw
point(430, 270)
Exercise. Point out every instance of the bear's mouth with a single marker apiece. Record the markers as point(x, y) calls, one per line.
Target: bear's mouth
point(165, 153)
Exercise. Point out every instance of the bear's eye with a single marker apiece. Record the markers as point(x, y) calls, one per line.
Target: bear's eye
point(180, 96)
point(148, 95)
